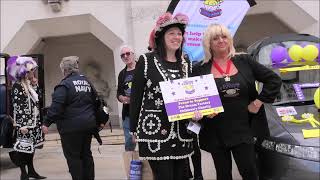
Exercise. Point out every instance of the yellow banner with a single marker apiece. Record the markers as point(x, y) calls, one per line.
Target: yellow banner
point(311, 133)
point(301, 68)
point(189, 115)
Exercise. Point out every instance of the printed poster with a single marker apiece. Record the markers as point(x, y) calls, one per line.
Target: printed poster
point(182, 97)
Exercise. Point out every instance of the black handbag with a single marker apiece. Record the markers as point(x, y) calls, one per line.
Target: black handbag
point(102, 110)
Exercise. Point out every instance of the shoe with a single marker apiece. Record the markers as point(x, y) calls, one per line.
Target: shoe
point(36, 176)
point(24, 174)
point(24, 177)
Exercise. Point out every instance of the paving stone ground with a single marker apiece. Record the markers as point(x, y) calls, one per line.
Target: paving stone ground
point(109, 165)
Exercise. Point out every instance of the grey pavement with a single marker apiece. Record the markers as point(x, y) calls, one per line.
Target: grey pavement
point(109, 165)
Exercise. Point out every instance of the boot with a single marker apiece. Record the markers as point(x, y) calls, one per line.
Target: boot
point(24, 175)
point(33, 174)
point(31, 171)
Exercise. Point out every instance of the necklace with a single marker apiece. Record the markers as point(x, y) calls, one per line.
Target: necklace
point(226, 74)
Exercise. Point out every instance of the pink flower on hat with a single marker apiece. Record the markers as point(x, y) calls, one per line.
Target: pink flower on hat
point(165, 20)
point(182, 18)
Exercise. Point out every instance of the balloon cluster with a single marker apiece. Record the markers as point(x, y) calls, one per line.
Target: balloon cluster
point(295, 53)
point(316, 98)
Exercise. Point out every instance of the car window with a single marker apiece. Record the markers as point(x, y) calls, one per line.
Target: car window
point(2, 71)
point(2, 87)
point(297, 87)
point(277, 56)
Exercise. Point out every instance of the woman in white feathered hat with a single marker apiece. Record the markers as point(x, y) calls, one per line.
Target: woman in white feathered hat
point(25, 101)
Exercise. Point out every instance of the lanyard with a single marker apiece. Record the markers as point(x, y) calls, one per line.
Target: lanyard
point(226, 73)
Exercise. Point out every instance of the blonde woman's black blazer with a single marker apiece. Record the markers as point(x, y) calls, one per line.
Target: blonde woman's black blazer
point(251, 71)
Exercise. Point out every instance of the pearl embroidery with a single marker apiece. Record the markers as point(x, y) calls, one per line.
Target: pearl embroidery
point(164, 132)
point(164, 73)
point(150, 95)
point(145, 66)
point(154, 150)
point(149, 83)
point(158, 102)
point(166, 157)
point(153, 110)
point(157, 89)
point(173, 70)
point(151, 124)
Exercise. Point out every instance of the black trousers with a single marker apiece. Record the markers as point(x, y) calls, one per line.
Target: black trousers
point(77, 151)
point(168, 169)
point(20, 158)
point(196, 158)
point(244, 156)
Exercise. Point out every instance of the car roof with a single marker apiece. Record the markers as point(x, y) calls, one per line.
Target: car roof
point(254, 48)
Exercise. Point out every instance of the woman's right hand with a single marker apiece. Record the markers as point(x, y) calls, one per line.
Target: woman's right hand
point(197, 116)
point(44, 129)
point(24, 130)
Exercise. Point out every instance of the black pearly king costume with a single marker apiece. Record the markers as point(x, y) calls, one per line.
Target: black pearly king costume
point(158, 138)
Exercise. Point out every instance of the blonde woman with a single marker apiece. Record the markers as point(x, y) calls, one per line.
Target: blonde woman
point(232, 131)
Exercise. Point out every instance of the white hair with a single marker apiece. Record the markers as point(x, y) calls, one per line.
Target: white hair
point(128, 47)
point(69, 64)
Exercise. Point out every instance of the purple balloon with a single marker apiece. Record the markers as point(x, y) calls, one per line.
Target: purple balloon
point(287, 57)
point(318, 58)
point(278, 54)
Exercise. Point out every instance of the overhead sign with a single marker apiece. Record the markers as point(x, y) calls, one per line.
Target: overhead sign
point(202, 13)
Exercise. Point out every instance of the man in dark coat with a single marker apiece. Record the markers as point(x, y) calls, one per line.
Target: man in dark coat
point(124, 90)
point(73, 110)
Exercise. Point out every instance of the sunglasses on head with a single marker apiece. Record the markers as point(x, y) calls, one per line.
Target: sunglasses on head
point(125, 54)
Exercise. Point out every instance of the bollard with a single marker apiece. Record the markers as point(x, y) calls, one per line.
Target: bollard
point(135, 170)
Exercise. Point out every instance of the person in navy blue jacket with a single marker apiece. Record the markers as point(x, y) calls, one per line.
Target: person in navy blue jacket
point(73, 110)
point(233, 130)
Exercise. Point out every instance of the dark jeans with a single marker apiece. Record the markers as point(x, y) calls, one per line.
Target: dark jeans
point(244, 156)
point(168, 169)
point(77, 151)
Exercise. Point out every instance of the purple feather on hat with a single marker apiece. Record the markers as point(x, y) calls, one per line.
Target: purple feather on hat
point(18, 67)
point(11, 68)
